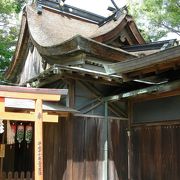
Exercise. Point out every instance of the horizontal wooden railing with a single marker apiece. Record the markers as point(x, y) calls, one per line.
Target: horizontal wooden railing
point(17, 175)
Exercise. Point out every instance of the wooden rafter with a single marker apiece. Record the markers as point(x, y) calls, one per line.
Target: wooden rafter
point(63, 73)
point(93, 107)
point(89, 104)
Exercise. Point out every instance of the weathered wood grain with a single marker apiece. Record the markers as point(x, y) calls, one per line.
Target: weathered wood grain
point(155, 152)
point(74, 150)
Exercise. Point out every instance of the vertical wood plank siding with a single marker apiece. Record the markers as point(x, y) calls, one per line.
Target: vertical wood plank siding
point(156, 152)
point(73, 149)
point(118, 154)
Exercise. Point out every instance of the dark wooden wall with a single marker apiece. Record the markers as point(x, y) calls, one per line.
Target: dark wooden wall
point(74, 148)
point(118, 152)
point(156, 152)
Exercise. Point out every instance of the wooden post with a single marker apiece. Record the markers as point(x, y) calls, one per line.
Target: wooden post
point(105, 139)
point(38, 141)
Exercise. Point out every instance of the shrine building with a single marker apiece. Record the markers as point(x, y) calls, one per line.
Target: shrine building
point(121, 116)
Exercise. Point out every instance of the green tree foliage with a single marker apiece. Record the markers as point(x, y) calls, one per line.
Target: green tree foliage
point(10, 6)
point(9, 10)
point(157, 17)
point(7, 46)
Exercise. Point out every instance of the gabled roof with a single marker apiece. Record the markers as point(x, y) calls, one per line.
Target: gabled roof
point(61, 35)
point(52, 28)
point(124, 27)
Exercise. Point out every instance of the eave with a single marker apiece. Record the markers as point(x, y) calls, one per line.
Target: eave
point(151, 46)
point(57, 72)
point(80, 45)
point(155, 63)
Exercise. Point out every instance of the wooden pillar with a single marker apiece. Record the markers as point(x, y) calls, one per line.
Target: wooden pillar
point(71, 96)
point(38, 140)
point(129, 138)
point(105, 139)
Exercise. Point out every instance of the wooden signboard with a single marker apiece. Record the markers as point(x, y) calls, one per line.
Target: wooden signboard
point(38, 117)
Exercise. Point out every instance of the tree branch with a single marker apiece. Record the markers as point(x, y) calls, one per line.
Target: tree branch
point(171, 29)
point(115, 5)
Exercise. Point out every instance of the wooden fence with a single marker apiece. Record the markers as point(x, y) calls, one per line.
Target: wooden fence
point(155, 152)
point(17, 175)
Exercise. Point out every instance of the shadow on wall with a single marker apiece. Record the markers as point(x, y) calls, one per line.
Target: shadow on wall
point(74, 149)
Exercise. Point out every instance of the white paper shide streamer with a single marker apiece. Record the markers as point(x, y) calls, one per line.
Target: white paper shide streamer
point(1, 126)
point(11, 132)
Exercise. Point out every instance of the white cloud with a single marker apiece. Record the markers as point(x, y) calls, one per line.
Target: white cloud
point(170, 35)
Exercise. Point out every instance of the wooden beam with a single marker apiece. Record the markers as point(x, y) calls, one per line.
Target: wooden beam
point(118, 110)
point(166, 87)
point(50, 118)
point(74, 76)
point(28, 117)
point(89, 103)
point(50, 79)
point(98, 94)
point(93, 107)
point(159, 123)
point(147, 97)
point(91, 79)
point(71, 96)
point(91, 87)
point(113, 111)
point(46, 97)
point(38, 91)
point(16, 116)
